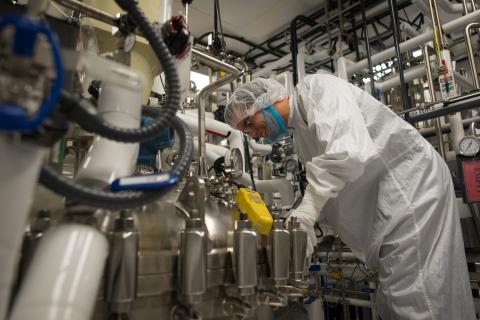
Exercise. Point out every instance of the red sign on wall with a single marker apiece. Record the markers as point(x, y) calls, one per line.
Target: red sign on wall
point(471, 177)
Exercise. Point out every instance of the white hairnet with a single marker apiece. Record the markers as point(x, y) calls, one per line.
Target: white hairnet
point(251, 97)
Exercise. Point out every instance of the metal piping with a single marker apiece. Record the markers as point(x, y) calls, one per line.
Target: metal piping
point(201, 100)
point(431, 88)
point(348, 301)
point(396, 39)
point(369, 52)
point(294, 43)
point(90, 11)
point(454, 7)
point(415, 42)
point(437, 27)
point(457, 104)
point(445, 128)
point(471, 56)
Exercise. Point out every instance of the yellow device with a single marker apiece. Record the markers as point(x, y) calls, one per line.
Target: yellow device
point(251, 203)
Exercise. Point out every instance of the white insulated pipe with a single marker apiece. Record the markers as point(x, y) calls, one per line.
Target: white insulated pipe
point(408, 30)
point(260, 149)
point(418, 41)
point(215, 127)
point(414, 73)
point(409, 74)
point(282, 186)
point(63, 279)
point(213, 152)
point(19, 168)
point(315, 310)
point(449, 7)
point(107, 160)
point(350, 301)
point(456, 130)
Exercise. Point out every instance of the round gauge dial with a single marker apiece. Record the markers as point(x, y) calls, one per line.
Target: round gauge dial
point(291, 165)
point(234, 163)
point(469, 146)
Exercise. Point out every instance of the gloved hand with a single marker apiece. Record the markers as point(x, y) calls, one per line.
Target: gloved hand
point(307, 214)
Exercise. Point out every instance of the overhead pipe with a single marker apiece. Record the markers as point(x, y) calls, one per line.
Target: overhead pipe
point(445, 128)
point(370, 13)
point(431, 90)
point(449, 7)
point(217, 128)
point(367, 47)
point(457, 104)
point(294, 43)
point(463, 81)
point(471, 56)
point(396, 39)
point(260, 149)
point(410, 74)
point(415, 42)
point(201, 99)
point(408, 30)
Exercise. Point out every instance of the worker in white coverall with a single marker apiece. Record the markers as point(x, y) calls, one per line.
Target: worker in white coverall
point(377, 182)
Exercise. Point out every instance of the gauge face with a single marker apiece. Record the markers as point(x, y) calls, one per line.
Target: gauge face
point(291, 165)
point(469, 146)
point(234, 163)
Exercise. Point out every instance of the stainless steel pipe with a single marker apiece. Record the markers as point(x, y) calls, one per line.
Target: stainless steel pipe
point(201, 100)
point(471, 56)
point(431, 89)
point(89, 11)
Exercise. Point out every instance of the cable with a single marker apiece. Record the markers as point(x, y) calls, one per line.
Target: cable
point(119, 200)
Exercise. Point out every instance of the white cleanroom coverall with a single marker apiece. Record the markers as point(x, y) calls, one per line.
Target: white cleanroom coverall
point(388, 194)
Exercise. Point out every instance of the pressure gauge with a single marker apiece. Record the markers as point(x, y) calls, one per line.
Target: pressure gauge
point(234, 163)
point(469, 146)
point(291, 165)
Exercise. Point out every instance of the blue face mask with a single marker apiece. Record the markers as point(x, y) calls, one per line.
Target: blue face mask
point(276, 128)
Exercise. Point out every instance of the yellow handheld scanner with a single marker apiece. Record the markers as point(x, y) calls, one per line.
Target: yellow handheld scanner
point(251, 203)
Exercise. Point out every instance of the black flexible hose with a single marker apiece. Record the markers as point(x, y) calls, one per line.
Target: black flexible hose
point(81, 111)
point(85, 115)
point(118, 200)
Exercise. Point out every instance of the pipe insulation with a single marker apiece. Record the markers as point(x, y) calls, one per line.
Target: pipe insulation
point(64, 276)
point(19, 169)
point(448, 27)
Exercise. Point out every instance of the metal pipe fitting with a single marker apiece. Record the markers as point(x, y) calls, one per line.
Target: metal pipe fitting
point(278, 245)
point(202, 96)
point(90, 11)
point(471, 56)
point(245, 256)
point(431, 88)
point(122, 265)
point(193, 261)
point(298, 249)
